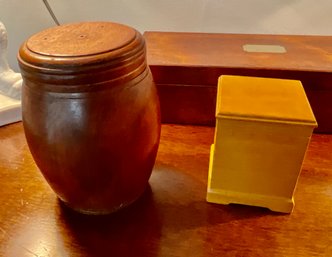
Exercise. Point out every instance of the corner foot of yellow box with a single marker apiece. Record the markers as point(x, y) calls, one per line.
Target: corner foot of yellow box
point(277, 204)
point(227, 196)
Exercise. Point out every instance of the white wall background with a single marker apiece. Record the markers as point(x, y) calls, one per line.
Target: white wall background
point(26, 17)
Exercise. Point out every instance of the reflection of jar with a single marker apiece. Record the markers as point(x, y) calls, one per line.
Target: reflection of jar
point(90, 113)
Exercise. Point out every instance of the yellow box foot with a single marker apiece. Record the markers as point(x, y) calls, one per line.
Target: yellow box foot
point(276, 204)
point(220, 196)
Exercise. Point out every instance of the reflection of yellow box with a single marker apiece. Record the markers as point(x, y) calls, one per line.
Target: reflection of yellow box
point(263, 128)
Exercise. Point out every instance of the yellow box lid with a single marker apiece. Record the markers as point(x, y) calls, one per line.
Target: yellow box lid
point(274, 100)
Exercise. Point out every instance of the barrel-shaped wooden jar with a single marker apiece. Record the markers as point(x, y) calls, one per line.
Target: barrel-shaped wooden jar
point(90, 113)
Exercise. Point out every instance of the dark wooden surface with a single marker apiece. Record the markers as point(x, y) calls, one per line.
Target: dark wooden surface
point(172, 218)
point(189, 64)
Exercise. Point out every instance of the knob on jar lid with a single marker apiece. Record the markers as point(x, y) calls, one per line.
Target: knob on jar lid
point(86, 52)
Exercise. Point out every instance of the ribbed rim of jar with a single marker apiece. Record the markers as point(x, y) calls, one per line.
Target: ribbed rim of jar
point(122, 62)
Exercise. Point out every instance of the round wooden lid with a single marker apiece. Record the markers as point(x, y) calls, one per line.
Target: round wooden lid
point(81, 39)
point(88, 52)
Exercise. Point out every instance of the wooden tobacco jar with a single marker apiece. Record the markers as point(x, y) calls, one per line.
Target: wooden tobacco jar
point(90, 113)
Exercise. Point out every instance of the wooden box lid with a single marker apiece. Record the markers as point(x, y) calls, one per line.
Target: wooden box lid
point(251, 98)
point(249, 51)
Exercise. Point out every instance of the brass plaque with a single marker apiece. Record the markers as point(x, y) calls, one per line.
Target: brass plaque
point(264, 48)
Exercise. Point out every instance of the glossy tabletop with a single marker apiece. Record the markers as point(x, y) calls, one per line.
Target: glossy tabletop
point(172, 218)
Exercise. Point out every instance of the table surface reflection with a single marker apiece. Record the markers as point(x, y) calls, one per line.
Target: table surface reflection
point(172, 218)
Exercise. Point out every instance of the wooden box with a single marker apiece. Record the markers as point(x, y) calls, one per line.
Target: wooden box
point(186, 67)
point(262, 132)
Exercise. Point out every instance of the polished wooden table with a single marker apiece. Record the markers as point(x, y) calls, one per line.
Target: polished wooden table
point(172, 218)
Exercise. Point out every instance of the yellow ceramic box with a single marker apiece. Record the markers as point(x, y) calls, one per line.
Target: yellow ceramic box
point(263, 127)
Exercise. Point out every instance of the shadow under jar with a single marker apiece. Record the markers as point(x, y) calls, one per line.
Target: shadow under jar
point(91, 113)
